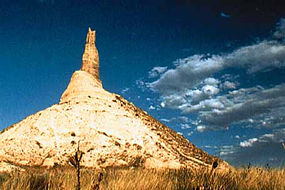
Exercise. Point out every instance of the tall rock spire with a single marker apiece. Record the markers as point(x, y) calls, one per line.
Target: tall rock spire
point(85, 82)
point(90, 58)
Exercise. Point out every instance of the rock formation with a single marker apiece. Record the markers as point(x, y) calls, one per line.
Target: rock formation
point(111, 130)
point(90, 58)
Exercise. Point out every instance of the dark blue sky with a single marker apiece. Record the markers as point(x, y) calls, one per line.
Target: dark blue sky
point(182, 61)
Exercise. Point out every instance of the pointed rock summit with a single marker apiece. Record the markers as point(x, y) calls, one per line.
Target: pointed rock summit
point(90, 58)
point(111, 131)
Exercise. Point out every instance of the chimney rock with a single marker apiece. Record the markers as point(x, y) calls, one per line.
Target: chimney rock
point(112, 131)
point(90, 58)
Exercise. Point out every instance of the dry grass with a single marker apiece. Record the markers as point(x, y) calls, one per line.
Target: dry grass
point(139, 178)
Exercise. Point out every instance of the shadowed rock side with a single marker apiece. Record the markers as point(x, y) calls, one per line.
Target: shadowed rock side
point(111, 131)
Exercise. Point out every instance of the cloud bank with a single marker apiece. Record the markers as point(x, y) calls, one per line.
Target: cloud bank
point(190, 71)
point(219, 102)
point(222, 91)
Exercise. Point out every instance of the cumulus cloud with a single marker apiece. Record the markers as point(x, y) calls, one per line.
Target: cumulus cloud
point(188, 73)
point(211, 81)
point(248, 143)
point(210, 90)
point(257, 57)
point(162, 104)
point(237, 137)
point(229, 85)
point(156, 71)
point(243, 105)
point(205, 105)
point(125, 90)
point(201, 128)
point(196, 95)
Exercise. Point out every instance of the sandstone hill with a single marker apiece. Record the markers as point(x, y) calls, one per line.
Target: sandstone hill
point(111, 130)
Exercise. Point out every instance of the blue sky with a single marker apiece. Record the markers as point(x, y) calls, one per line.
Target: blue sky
point(214, 72)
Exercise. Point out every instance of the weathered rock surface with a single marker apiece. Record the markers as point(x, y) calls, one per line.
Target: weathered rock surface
point(111, 130)
point(90, 58)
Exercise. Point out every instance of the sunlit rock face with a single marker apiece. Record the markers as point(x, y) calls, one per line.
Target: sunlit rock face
point(90, 58)
point(108, 129)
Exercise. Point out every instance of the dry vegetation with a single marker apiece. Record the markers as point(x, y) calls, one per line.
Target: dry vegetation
point(139, 178)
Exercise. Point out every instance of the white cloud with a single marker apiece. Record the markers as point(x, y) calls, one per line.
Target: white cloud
point(257, 57)
point(125, 90)
point(244, 106)
point(141, 84)
point(229, 85)
point(226, 150)
point(201, 128)
point(165, 120)
point(188, 73)
point(210, 90)
point(183, 119)
point(185, 126)
point(156, 71)
point(151, 107)
point(205, 105)
point(211, 81)
point(255, 107)
point(173, 101)
point(248, 142)
point(196, 96)
point(190, 133)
